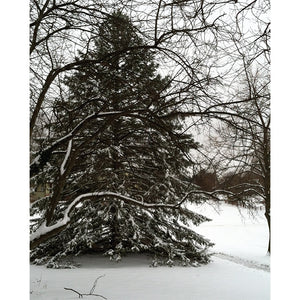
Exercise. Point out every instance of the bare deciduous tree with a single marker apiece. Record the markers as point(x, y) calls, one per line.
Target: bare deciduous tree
point(241, 134)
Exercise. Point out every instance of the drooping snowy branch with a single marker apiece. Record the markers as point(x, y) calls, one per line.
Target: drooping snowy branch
point(45, 231)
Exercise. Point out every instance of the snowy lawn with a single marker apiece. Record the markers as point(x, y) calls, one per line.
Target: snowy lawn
point(237, 273)
point(236, 232)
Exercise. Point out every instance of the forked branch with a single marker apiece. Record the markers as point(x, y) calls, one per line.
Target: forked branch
point(91, 293)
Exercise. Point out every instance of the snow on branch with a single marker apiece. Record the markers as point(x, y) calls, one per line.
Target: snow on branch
point(62, 167)
point(41, 159)
point(212, 195)
point(45, 231)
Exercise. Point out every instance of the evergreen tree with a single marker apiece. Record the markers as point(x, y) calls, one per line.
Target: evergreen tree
point(143, 158)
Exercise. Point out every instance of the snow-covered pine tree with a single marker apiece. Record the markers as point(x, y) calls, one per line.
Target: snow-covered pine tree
point(144, 157)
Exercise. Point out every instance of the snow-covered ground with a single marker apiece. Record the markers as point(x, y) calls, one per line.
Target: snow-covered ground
point(239, 270)
point(236, 232)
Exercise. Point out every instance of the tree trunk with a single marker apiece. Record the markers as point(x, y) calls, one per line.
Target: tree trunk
point(267, 185)
point(268, 217)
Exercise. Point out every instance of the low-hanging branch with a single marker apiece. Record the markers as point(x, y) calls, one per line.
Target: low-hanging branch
point(44, 232)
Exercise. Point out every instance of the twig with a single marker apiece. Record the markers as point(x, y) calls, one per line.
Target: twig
point(94, 285)
point(80, 295)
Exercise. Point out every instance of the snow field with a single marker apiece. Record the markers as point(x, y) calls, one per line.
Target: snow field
point(236, 232)
point(132, 279)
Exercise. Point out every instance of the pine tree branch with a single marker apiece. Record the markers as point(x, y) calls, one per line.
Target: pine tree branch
point(44, 232)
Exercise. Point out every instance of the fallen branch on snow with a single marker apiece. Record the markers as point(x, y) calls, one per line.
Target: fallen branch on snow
point(91, 293)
